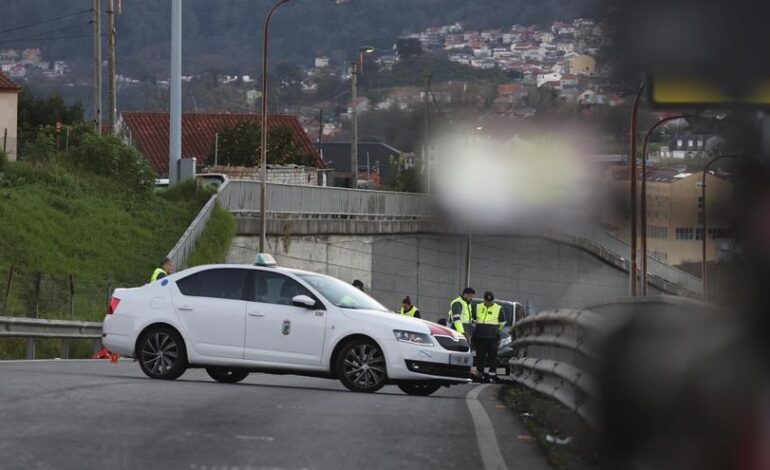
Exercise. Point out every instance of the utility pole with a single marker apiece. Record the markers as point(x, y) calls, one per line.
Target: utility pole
point(426, 140)
point(175, 85)
point(113, 97)
point(98, 65)
point(354, 119)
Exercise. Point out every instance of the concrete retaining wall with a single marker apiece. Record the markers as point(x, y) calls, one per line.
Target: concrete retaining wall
point(431, 268)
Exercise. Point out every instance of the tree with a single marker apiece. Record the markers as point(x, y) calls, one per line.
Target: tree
point(402, 179)
point(35, 112)
point(241, 146)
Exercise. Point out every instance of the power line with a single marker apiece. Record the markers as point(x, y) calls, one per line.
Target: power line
point(38, 35)
point(49, 20)
point(52, 38)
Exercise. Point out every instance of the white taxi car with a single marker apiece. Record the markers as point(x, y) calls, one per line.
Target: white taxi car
point(237, 319)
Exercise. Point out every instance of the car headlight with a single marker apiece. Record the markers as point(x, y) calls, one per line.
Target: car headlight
point(506, 341)
point(418, 339)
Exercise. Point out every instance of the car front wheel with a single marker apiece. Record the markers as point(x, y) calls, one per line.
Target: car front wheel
point(225, 375)
point(361, 366)
point(162, 354)
point(419, 389)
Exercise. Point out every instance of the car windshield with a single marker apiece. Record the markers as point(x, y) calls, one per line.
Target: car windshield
point(341, 293)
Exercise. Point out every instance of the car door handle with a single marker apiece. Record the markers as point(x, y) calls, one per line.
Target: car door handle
point(256, 314)
point(186, 308)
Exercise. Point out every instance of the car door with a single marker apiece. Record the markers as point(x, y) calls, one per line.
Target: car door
point(276, 330)
point(211, 306)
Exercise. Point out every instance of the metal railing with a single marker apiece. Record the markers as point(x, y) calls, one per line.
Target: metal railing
point(189, 238)
point(554, 356)
point(242, 196)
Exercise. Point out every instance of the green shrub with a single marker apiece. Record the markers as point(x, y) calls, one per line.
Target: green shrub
point(42, 150)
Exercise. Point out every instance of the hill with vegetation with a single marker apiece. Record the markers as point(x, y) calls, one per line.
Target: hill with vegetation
point(226, 36)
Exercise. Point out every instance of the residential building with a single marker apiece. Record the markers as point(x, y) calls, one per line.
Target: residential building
point(581, 64)
point(321, 62)
point(9, 115)
point(149, 133)
point(674, 212)
point(690, 145)
point(376, 161)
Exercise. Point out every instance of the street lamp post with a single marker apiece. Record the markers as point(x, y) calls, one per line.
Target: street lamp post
point(643, 196)
point(357, 68)
point(704, 235)
point(263, 159)
point(634, 124)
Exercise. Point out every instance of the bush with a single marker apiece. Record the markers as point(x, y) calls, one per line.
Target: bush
point(3, 161)
point(215, 241)
point(42, 150)
point(109, 156)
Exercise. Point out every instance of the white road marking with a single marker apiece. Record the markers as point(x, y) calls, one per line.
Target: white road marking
point(486, 439)
point(255, 438)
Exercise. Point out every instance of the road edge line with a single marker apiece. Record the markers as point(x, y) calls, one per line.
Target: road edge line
point(486, 439)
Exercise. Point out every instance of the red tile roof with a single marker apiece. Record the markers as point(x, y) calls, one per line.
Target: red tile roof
point(149, 133)
point(6, 84)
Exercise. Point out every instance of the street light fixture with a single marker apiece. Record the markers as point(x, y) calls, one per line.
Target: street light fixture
point(263, 159)
point(643, 195)
point(354, 113)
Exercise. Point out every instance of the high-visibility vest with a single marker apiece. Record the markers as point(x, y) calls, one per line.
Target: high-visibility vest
point(156, 273)
point(410, 312)
point(488, 315)
point(465, 314)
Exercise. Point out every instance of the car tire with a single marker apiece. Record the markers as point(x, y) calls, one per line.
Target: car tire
point(361, 366)
point(419, 388)
point(161, 353)
point(227, 375)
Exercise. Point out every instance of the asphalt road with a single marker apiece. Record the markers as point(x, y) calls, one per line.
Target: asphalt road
point(94, 414)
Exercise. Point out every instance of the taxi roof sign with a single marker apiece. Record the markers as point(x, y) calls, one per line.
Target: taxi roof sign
point(265, 259)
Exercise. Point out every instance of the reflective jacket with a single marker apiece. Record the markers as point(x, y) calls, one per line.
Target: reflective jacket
point(412, 312)
point(159, 273)
point(489, 321)
point(456, 320)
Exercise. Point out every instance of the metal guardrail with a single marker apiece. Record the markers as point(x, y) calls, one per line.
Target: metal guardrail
point(554, 356)
point(40, 328)
point(36, 328)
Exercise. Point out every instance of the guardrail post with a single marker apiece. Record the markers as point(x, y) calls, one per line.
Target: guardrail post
point(38, 282)
point(72, 298)
point(30, 348)
point(65, 349)
point(8, 285)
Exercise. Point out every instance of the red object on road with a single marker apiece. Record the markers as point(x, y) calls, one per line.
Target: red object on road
point(102, 354)
point(114, 357)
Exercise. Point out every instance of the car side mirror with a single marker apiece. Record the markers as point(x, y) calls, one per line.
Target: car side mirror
point(303, 301)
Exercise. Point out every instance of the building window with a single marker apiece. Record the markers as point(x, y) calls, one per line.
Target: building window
point(656, 231)
point(679, 143)
point(689, 144)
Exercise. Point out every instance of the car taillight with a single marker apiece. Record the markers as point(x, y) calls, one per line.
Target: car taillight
point(113, 305)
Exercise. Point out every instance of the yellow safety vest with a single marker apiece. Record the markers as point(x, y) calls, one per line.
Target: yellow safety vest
point(156, 273)
point(465, 315)
point(489, 315)
point(410, 312)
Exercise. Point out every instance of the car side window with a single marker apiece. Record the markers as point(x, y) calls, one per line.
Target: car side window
point(273, 288)
point(224, 283)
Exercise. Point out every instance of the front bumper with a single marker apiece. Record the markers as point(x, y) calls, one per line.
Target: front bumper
point(407, 362)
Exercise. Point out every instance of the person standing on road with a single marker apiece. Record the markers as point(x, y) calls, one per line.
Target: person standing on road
point(166, 268)
point(408, 309)
point(490, 319)
point(460, 312)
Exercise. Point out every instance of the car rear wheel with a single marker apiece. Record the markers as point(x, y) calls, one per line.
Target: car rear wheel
point(225, 375)
point(162, 354)
point(418, 388)
point(361, 366)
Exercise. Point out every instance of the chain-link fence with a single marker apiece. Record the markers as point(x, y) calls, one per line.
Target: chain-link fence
point(54, 296)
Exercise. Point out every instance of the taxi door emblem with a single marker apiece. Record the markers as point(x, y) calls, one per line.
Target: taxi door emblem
point(286, 327)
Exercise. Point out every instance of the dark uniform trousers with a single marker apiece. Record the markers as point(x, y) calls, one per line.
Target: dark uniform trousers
point(486, 353)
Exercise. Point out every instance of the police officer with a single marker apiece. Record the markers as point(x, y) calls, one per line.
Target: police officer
point(166, 268)
point(408, 309)
point(460, 312)
point(490, 319)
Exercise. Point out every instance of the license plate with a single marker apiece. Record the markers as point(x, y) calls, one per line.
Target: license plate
point(459, 360)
